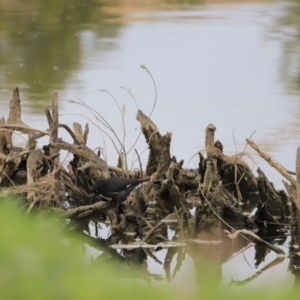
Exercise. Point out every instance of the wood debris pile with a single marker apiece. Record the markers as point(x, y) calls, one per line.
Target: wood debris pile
point(223, 193)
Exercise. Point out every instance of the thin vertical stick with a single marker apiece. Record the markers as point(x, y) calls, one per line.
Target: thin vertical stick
point(209, 137)
point(141, 168)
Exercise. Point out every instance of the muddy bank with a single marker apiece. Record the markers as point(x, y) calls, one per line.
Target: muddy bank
point(208, 207)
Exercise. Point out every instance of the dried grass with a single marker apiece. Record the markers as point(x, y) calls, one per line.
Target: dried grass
point(46, 189)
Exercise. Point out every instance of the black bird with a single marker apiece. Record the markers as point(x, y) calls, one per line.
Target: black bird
point(116, 187)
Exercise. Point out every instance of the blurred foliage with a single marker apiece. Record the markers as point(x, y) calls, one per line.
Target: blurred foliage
point(39, 260)
point(290, 33)
point(41, 41)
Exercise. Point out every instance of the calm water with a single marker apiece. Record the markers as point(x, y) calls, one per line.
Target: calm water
point(233, 65)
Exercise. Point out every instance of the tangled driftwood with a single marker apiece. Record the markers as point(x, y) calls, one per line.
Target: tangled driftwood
point(225, 194)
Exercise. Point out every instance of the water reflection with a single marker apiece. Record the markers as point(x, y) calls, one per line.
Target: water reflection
point(289, 28)
point(41, 43)
point(186, 2)
point(215, 266)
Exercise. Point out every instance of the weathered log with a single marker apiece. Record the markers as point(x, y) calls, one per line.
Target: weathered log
point(187, 180)
point(297, 201)
point(211, 177)
point(294, 197)
point(14, 118)
point(235, 174)
point(77, 129)
point(76, 194)
point(24, 129)
point(86, 153)
point(257, 239)
point(53, 122)
point(80, 164)
point(159, 155)
point(11, 164)
point(34, 165)
point(220, 210)
point(273, 202)
point(210, 137)
point(3, 141)
point(295, 241)
point(74, 213)
point(143, 213)
point(272, 162)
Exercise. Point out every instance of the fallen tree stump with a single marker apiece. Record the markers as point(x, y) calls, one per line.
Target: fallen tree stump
point(203, 203)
